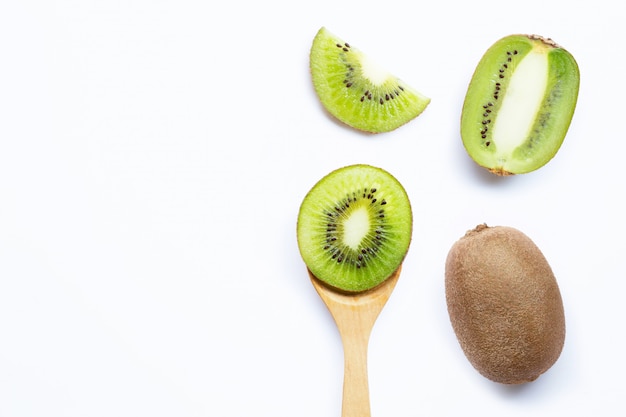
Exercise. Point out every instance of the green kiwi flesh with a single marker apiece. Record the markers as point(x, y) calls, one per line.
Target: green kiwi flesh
point(354, 227)
point(519, 104)
point(357, 91)
point(504, 304)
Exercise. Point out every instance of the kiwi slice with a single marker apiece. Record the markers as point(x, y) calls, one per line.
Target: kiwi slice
point(354, 227)
point(357, 91)
point(519, 104)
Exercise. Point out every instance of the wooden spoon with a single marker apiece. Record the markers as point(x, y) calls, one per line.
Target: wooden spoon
point(355, 315)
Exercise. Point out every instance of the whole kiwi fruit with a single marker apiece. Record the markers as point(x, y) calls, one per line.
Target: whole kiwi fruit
point(504, 304)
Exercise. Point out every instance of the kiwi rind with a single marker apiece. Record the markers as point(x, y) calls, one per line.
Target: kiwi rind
point(358, 188)
point(504, 304)
point(346, 93)
point(485, 95)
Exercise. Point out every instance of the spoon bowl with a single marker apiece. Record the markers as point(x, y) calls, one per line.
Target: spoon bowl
point(355, 315)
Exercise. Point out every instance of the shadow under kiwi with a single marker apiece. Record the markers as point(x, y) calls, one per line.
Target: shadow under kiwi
point(475, 172)
point(487, 178)
point(513, 390)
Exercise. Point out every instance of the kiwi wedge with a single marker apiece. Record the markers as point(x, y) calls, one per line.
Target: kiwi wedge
point(356, 90)
point(519, 104)
point(354, 227)
point(504, 304)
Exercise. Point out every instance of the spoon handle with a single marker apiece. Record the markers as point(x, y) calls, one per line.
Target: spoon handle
point(355, 315)
point(356, 401)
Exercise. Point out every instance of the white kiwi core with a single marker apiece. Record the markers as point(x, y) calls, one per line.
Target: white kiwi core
point(356, 227)
point(372, 71)
point(522, 101)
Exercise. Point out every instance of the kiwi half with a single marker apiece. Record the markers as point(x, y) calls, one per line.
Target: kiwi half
point(504, 304)
point(519, 104)
point(354, 227)
point(357, 91)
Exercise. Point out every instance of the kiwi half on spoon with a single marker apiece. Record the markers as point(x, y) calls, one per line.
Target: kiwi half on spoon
point(519, 104)
point(354, 227)
point(357, 91)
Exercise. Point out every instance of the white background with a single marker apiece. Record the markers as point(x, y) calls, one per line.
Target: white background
point(153, 157)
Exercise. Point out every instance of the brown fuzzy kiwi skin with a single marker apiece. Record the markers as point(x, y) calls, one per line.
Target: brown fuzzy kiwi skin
point(504, 304)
